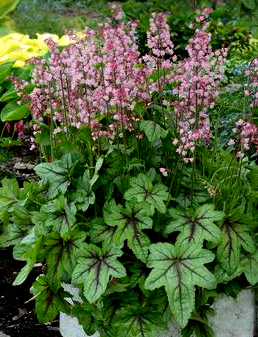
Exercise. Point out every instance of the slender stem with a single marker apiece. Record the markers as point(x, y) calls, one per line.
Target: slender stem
point(3, 129)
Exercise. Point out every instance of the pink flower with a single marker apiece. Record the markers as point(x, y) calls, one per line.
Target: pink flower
point(211, 191)
point(163, 171)
point(207, 11)
point(240, 154)
point(200, 18)
point(7, 127)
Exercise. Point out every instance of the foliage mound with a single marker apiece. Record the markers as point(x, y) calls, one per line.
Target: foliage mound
point(142, 204)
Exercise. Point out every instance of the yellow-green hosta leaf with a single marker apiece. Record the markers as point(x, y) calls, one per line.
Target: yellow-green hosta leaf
point(7, 6)
point(179, 268)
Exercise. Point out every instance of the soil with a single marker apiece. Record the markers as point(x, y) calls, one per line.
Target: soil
point(17, 318)
point(19, 163)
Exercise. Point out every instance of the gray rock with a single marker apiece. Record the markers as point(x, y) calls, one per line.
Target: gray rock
point(3, 334)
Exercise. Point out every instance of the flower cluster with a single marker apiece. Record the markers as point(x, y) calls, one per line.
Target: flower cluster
point(199, 78)
point(19, 128)
point(160, 45)
point(252, 91)
point(102, 75)
point(97, 76)
point(247, 134)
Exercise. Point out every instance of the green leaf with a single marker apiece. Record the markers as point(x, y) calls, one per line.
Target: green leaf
point(196, 228)
point(57, 174)
point(8, 95)
point(98, 166)
point(139, 321)
point(153, 131)
point(249, 4)
point(130, 222)
point(253, 178)
point(143, 189)
point(7, 6)
point(61, 256)
point(13, 234)
point(48, 302)
point(198, 329)
point(31, 257)
point(9, 194)
point(84, 312)
point(94, 268)
point(61, 214)
point(235, 235)
point(115, 286)
point(222, 276)
point(179, 268)
point(84, 196)
point(5, 70)
point(13, 112)
point(184, 198)
point(249, 266)
point(101, 232)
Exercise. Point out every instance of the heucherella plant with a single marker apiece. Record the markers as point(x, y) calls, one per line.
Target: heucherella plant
point(138, 207)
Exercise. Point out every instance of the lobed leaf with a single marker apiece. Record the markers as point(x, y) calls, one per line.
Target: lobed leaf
point(130, 222)
point(61, 255)
point(94, 268)
point(249, 266)
point(57, 174)
point(179, 268)
point(48, 302)
point(84, 196)
point(198, 227)
point(143, 190)
point(234, 236)
point(61, 215)
point(136, 321)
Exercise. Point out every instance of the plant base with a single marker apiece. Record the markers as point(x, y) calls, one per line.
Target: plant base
point(233, 317)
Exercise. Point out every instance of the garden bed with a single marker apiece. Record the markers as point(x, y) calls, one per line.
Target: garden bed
point(18, 318)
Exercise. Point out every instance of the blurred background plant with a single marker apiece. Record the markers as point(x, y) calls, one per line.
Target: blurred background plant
point(7, 24)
